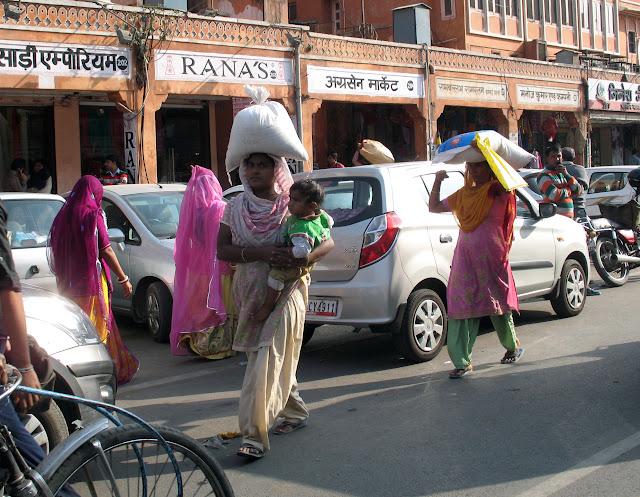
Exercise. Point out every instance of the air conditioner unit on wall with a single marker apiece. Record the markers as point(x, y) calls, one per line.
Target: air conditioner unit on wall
point(537, 50)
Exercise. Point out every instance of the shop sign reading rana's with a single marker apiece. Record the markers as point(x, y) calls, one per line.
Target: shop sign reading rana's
point(173, 65)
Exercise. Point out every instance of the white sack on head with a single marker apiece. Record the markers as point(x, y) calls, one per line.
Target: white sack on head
point(375, 152)
point(458, 149)
point(264, 127)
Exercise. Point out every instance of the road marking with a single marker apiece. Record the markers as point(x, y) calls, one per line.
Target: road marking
point(582, 469)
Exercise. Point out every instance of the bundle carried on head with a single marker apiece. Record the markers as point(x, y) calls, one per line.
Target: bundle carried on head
point(460, 149)
point(264, 127)
point(375, 152)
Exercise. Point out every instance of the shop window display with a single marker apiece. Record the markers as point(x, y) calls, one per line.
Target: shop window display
point(101, 134)
point(25, 133)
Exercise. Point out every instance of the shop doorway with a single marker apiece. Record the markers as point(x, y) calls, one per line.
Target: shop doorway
point(25, 132)
point(182, 139)
point(340, 126)
point(101, 134)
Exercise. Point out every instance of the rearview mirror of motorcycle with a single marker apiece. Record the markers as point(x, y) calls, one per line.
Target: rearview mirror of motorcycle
point(548, 209)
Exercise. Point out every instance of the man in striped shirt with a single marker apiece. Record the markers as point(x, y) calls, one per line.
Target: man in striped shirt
point(556, 184)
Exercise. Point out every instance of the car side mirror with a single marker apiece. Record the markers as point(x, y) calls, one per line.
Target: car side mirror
point(548, 209)
point(115, 235)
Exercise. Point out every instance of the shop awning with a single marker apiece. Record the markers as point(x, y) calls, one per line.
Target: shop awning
point(614, 118)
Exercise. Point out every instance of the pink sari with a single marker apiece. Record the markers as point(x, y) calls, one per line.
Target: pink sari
point(78, 233)
point(203, 320)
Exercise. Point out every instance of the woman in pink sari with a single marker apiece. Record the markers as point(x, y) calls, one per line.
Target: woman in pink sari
point(79, 252)
point(204, 316)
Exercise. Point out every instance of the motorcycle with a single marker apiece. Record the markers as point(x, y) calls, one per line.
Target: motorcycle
point(617, 247)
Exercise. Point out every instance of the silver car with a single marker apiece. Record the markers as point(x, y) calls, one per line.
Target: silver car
point(30, 216)
point(391, 262)
point(147, 219)
point(79, 359)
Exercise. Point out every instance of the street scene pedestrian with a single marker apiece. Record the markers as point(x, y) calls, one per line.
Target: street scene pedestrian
point(251, 236)
point(480, 283)
point(40, 179)
point(204, 316)
point(16, 178)
point(112, 174)
point(556, 184)
point(79, 254)
point(332, 161)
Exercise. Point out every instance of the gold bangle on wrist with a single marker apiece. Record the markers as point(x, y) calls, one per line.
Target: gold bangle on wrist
point(242, 254)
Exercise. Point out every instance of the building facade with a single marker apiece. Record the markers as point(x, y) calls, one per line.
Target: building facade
point(160, 89)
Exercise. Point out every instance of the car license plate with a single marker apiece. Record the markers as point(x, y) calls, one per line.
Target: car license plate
point(322, 307)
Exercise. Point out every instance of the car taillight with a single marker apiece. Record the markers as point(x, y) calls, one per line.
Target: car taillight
point(379, 238)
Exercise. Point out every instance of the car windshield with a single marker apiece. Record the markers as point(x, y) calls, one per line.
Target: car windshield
point(30, 220)
point(158, 211)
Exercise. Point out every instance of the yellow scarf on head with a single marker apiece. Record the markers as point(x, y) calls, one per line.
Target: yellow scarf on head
point(470, 205)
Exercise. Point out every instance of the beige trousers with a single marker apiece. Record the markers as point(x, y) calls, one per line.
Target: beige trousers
point(270, 388)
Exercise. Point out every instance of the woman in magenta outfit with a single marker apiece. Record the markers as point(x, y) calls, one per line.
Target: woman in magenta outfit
point(204, 317)
point(480, 283)
point(79, 253)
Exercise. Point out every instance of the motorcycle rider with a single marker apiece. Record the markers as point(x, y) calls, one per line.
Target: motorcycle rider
point(579, 200)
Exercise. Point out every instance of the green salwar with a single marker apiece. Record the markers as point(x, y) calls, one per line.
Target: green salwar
point(462, 333)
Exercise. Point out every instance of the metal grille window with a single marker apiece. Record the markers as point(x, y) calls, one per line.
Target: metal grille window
point(597, 17)
point(550, 14)
point(609, 18)
point(584, 14)
point(566, 7)
point(447, 8)
point(477, 4)
point(336, 17)
point(534, 10)
point(631, 36)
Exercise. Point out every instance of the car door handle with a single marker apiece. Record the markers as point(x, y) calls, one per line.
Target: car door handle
point(446, 238)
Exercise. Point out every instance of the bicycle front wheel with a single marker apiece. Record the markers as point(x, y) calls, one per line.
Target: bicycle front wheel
point(135, 463)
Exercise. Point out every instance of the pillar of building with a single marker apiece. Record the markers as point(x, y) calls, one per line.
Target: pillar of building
point(67, 142)
point(218, 169)
point(507, 122)
point(148, 156)
point(419, 131)
point(577, 136)
point(309, 107)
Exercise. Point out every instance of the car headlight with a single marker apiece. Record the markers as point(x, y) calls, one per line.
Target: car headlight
point(63, 315)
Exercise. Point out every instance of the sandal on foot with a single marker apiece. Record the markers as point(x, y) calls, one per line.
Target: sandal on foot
point(250, 451)
point(459, 373)
point(287, 427)
point(511, 357)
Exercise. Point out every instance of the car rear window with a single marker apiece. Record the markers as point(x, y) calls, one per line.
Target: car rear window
point(351, 200)
point(30, 221)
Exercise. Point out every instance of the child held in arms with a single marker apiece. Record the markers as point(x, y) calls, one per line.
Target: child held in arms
point(307, 227)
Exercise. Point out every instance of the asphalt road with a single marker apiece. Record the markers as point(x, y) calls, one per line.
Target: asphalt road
point(563, 421)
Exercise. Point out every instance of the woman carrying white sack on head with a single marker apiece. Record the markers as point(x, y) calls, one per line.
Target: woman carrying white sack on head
point(251, 236)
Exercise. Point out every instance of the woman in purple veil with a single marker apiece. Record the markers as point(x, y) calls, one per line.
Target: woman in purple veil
point(79, 253)
point(204, 317)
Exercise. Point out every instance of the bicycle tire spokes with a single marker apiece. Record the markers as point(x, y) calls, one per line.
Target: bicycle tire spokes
point(129, 462)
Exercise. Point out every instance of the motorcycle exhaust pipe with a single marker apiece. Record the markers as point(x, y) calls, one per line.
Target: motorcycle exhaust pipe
point(624, 259)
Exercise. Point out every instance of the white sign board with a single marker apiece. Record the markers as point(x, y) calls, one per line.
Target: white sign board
point(459, 89)
point(341, 81)
point(64, 59)
point(536, 95)
point(130, 145)
point(614, 95)
point(173, 65)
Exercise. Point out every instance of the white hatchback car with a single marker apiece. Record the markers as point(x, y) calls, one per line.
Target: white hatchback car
point(391, 262)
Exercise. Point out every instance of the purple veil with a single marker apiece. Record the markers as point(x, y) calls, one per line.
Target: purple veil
point(197, 296)
point(73, 241)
